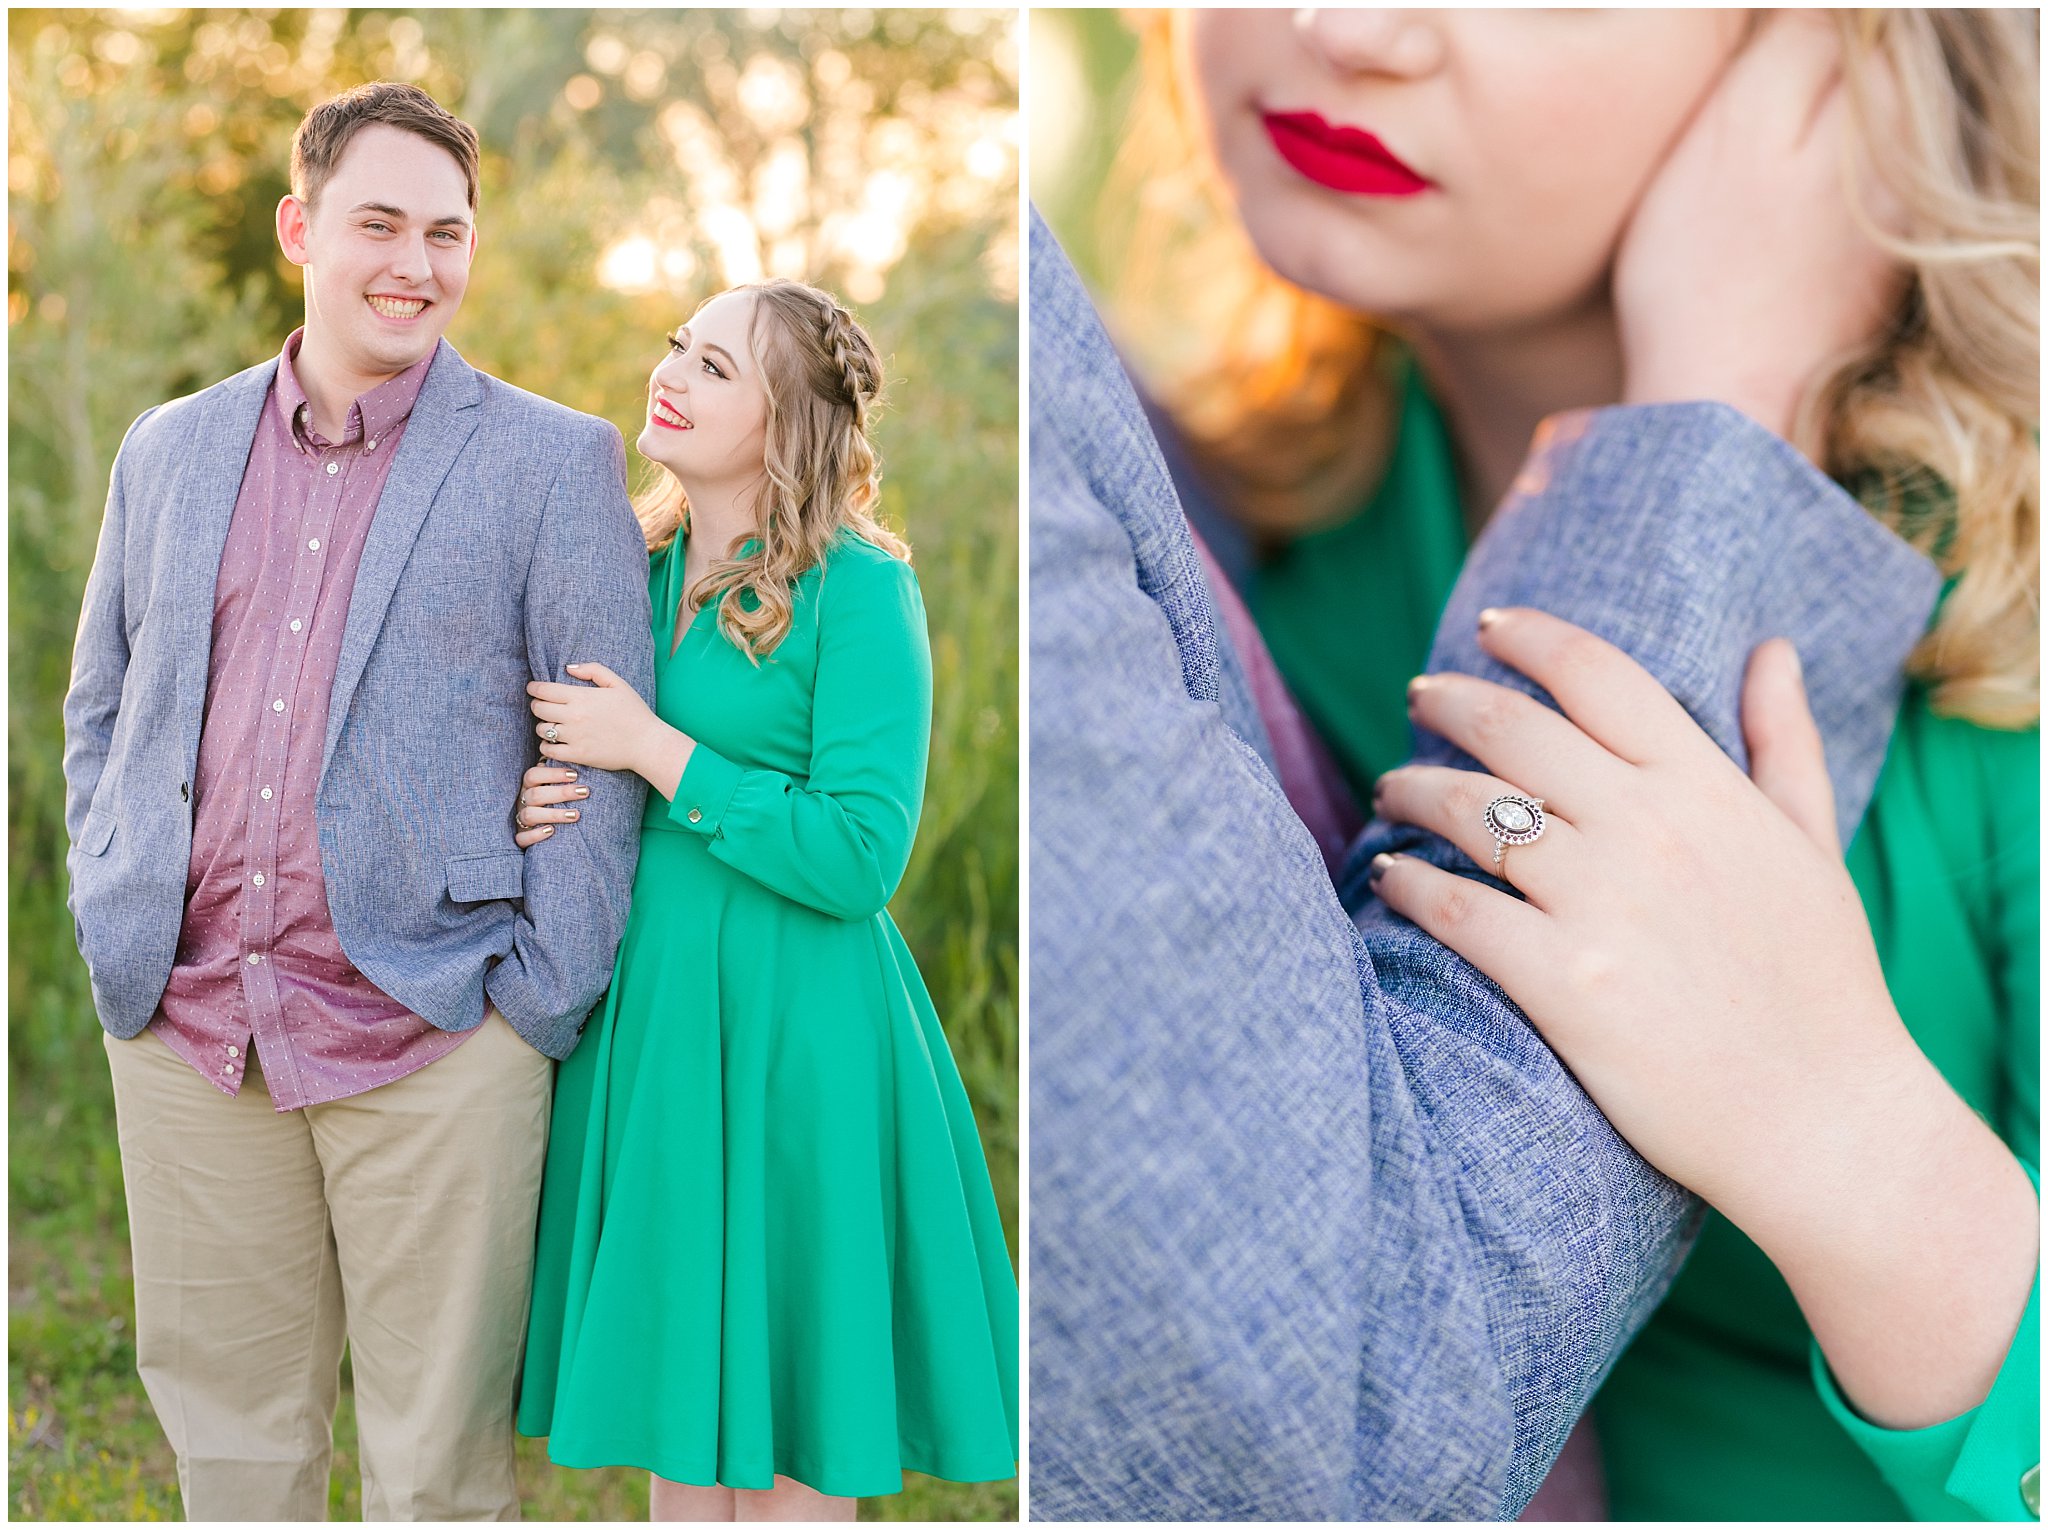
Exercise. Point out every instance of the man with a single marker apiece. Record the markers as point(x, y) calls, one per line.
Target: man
point(1320, 1228)
point(331, 983)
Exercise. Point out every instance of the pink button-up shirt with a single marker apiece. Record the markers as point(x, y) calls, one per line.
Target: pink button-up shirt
point(257, 956)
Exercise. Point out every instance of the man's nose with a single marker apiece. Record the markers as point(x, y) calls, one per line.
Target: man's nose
point(410, 261)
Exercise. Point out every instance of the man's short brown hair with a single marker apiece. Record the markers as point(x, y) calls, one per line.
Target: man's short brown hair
point(317, 146)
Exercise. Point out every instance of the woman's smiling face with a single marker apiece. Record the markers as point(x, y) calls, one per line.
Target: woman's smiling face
point(707, 403)
point(1458, 169)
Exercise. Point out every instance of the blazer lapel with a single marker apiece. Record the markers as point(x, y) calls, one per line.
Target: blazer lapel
point(203, 506)
point(443, 419)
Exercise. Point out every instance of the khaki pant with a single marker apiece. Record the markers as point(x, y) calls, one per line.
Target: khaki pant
point(401, 1220)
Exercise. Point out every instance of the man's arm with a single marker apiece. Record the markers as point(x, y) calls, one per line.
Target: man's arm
point(586, 602)
point(1201, 1172)
point(99, 657)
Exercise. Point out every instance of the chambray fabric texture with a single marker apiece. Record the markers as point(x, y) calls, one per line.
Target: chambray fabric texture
point(502, 549)
point(1320, 1229)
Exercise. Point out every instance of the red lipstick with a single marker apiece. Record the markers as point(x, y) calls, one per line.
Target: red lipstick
point(1342, 158)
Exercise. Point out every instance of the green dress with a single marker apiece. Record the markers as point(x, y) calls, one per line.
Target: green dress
point(1722, 1408)
point(768, 1242)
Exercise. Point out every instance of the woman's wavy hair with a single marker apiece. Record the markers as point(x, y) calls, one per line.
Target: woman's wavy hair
point(1287, 399)
point(820, 474)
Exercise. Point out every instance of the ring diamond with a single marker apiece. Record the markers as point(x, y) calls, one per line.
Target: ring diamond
point(552, 733)
point(1513, 820)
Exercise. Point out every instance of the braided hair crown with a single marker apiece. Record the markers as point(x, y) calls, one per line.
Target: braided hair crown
point(860, 371)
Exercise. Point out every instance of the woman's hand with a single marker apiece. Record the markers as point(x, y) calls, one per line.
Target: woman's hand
point(1694, 950)
point(1743, 270)
point(604, 724)
point(542, 791)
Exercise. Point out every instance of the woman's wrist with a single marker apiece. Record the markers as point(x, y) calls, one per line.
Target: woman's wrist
point(663, 756)
point(1907, 1233)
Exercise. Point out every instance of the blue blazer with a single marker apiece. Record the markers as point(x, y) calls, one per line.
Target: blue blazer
point(503, 549)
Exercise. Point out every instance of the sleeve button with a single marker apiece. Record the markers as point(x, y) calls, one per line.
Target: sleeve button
point(696, 815)
point(2030, 1489)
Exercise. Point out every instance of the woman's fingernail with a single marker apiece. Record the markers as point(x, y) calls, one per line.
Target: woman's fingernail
point(1488, 617)
point(572, 815)
point(1792, 658)
point(568, 775)
point(583, 791)
point(544, 833)
point(1380, 863)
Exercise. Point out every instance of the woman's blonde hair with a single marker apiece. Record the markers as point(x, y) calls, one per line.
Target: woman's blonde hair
point(1289, 403)
point(821, 474)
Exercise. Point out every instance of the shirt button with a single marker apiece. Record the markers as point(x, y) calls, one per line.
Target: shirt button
point(255, 957)
point(257, 879)
point(696, 815)
point(314, 545)
point(234, 1051)
point(227, 1067)
point(266, 794)
point(297, 624)
point(277, 706)
point(333, 467)
point(371, 447)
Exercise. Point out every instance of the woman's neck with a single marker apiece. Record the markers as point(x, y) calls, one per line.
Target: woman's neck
point(721, 517)
point(1496, 386)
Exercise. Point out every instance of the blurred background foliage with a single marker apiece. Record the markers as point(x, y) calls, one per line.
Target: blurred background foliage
point(634, 162)
point(1083, 74)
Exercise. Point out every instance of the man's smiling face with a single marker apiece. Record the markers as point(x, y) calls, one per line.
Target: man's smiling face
point(386, 248)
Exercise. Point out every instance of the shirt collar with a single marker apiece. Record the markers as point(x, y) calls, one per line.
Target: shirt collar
point(374, 414)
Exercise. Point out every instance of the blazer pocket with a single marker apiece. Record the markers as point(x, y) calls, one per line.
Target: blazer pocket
point(483, 878)
point(97, 834)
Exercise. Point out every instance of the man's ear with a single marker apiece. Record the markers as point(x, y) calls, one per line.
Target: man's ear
point(291, 230)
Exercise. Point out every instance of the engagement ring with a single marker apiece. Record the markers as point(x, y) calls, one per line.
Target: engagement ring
point(552, 733)
point(1513, 820)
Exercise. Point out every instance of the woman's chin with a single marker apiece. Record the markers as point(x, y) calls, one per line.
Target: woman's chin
point(658, 445)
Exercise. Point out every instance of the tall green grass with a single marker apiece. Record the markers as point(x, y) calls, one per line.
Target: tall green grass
point(141, 268)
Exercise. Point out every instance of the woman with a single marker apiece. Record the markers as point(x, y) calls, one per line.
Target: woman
point(1435, 230)
point(770, 1265)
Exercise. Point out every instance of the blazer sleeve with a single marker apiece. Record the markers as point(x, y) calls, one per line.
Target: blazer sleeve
point(586, 601)
point(837, 840)
point(99, 657)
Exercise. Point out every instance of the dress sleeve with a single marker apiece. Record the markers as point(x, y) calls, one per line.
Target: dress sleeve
point(839, 839)
point(1986, 1463)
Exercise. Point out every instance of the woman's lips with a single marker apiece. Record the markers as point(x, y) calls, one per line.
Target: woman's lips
point(1341, 158)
